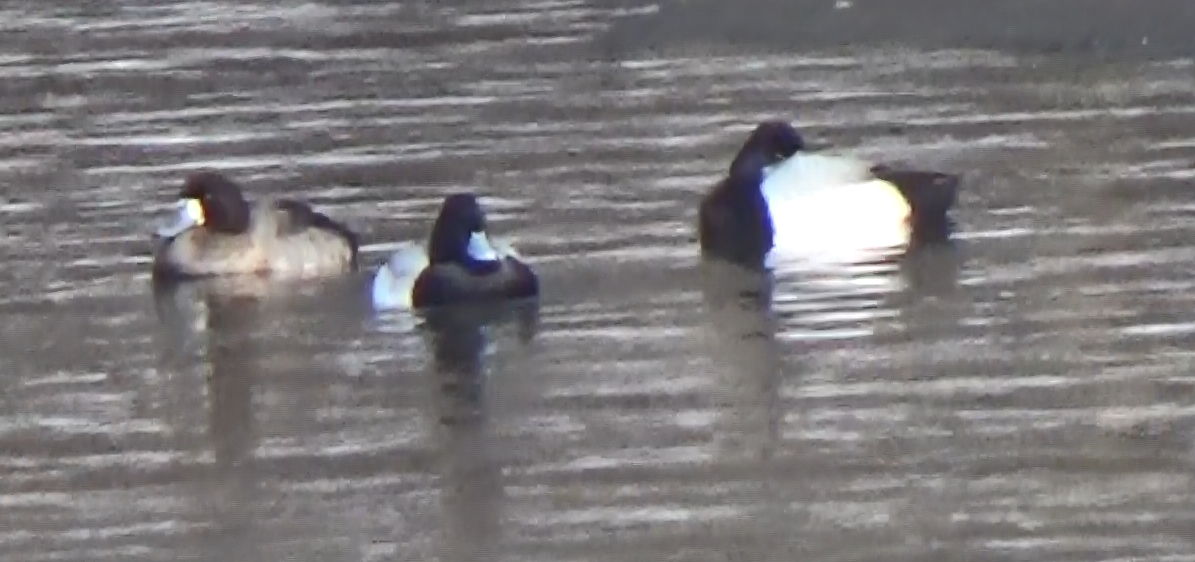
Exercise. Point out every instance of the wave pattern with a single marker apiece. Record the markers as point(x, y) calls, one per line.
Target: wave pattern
point(1027, 398)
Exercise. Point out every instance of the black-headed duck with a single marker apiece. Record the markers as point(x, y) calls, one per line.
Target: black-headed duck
point(459, 264)
point(778, 200)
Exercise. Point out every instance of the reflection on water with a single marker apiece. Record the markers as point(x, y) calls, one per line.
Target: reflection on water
point(1025, 395)
point(472, 481)
point(742, 337)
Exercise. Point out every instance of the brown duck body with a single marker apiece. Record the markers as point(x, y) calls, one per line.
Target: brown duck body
point(279, 238)
point(276, 244)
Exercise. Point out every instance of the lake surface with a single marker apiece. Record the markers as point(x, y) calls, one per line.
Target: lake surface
point(1028, 397)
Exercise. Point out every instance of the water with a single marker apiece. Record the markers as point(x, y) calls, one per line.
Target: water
point(1028, 398)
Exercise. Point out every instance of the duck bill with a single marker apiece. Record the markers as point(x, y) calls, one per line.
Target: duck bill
point(188, 214)
point(480, 248)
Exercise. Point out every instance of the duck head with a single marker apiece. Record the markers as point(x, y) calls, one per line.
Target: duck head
point(459, 236)
point(211, 201)
point(770, 143)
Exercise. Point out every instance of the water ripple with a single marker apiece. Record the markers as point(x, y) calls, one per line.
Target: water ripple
point(1015, 398)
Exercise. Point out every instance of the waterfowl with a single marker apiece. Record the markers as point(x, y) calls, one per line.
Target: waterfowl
point(459, 264)
point(778, 200)
point(217, 232)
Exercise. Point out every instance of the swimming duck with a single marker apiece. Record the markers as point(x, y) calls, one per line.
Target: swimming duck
point(459, 264)
point(217, 232)
point(778, 200)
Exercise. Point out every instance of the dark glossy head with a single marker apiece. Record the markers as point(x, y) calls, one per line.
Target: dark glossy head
point(459, 237)
point(769, 143)
point(224, 207)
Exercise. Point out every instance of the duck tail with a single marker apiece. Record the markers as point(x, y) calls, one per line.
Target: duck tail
point(394, 280)
point(350, 237)
point(300, 215)
point(931, 195)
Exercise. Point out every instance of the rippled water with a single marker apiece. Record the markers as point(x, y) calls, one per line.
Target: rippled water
point(1026, 398)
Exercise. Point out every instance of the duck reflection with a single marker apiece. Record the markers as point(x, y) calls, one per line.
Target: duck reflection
point(228, 332)
point(227, 321)
point(745, 323)
point(933, 270)
point(461, 339)
point(233, 352)
point(221, 326)
point(758, 367)
point(744, 349)
point(223, 330)
point(929, 303)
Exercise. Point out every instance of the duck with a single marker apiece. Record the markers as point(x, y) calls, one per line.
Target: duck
point(217, 232)
point(780, 201)
point(458, 264)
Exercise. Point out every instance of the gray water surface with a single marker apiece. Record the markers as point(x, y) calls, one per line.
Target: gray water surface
point(1028, 397)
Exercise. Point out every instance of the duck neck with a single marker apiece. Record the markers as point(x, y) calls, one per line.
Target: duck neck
point(469, 250)
point(747, 204)
point(480, 267)
point(747, 168)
